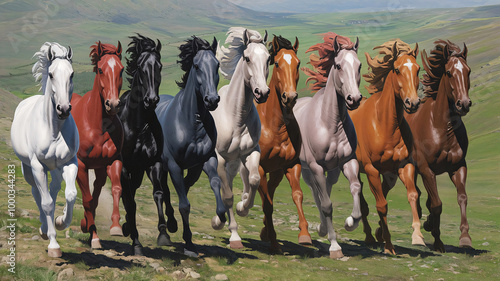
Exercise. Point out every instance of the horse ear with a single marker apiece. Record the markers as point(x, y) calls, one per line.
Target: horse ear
point(395, 51)
point(214, 45)
point(356, 45)
point(119, 50)
point(70, 53)
point(336, 45)
point(446, 52)
point(464, 52)
point(158, 45)
point(99, 49)
point(246, 37)
point(296, 45)
point(265, 38)
point(414, 52)
point(194, 45)
point(50, 55)
point(276, 44)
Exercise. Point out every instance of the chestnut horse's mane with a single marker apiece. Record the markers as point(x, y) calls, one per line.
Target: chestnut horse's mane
point(323, 62)
point(380, 66)
point(435, 65)
point(106, 49)
point(283, 43)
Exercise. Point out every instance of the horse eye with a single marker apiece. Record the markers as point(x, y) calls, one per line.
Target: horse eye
point(247, 59)
point(359, 70)
point(51, 76)
point(99, 70)
point(298, 65)
point(396, 70)
point(71, 76)
point(197, 67)
point(121, 72)
point(337, 66)
point(448, 73)
point(276, 64)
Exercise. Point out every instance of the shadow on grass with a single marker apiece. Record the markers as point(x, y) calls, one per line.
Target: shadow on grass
point(93, 260)
point(461, 250)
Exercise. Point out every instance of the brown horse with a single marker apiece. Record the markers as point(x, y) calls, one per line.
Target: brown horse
point(439, 133)
point(280, 140)
point(385, 142)
point(101, 136)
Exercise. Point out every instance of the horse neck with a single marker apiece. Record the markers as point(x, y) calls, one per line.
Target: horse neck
point(273, 105)
point(49, 113)
point(192, 103)
point(96, 101)
point(390, 114)
point(333, 108)
point(441, 110)
point(240, 95)
point(138, 116)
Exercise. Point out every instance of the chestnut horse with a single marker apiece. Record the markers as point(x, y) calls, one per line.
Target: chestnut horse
point(439, 133)
point(280, 140)
point(385, 142)
point(101, 136)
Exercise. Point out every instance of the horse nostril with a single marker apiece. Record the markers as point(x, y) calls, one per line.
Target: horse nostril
point(107, 103)
point(470, 103)
point(459, 103)
point(407, 101)
point(58, 107)
point(218, 98)
point(256, 90)
point(349, 98)
point(283, 96)
point(70, 107)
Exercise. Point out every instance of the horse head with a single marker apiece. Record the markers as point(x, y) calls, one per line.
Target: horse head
point(60, 80)
point(109, 69)
point(456, 76)
point(256, 58)
point(346, 73)
point(405, 70)
point(286, 69)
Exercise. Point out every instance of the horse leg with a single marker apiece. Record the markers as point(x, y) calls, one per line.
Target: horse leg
point(388, 182)
point(434, 205)
point(365, 211)
point(251, 178)
point(87, 223)
point(210, 168)
point(407, 176)
point(351, 170)
point(155, 175)
point(459, 177)
point(293, 177)
point(309, 180)
point(114, 172)
point(381, 203)
point(264, 193)
point(47, 205)
point(274, 180)
point(28, 176)
point(130, 182)
point(69, 172)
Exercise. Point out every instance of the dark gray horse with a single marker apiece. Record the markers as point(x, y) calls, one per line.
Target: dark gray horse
point(189, 134)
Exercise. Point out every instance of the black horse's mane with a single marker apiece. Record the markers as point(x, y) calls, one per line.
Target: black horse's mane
point(139, 45)
point(188, 52)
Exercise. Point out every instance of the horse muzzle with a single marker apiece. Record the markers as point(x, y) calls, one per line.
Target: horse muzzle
point(463, 107)
point(261, 96)
point(352, 102)
point(63, 111)
point(211, 102)
point(411, 106)
point(112, 107)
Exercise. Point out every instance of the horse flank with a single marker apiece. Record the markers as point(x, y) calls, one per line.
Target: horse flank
point(40, 69)
point(381, 65)
point(323, 63)
point(229, 57)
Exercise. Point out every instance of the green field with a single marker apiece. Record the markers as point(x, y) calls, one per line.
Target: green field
point(80, 26)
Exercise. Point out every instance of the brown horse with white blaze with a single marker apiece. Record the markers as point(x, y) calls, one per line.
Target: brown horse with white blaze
point(280, 140)
point(440, 137)
point(385, 142)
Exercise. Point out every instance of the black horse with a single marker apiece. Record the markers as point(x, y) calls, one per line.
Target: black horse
point(189, 132)
point(143, 143)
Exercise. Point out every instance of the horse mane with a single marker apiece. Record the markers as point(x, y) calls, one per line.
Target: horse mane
point(381, 65)
point(139, 45)
point(188, 52)
point(435, 66)
point(323, 62)
point(229, 57)
point(40, 69)
point(283, 43)
point(106, 49)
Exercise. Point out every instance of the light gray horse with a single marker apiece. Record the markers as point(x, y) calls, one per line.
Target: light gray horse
point(328, 135)
point(245, 62)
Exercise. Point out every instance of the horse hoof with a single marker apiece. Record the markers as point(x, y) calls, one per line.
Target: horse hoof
point(95, 243)
point(389, 252)
point(217, 223)
point(336, 254)
point(351, 223)
point(236, 244)
point(275, 249)
point(164, 240)
point(137, 250)
point(83, 226)
point(417, 240)
point(125, 229)
point(60, 223)
point(43, 235)
point(116, 231)
point(305, 240)
point(190, 253)
point(240, 209)
point(439, 246)
point(54, 253)
point(465, 242)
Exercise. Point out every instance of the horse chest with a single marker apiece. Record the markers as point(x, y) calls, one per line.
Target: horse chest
point(57, 152)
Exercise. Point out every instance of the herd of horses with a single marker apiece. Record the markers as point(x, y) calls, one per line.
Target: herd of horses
point(263, 131)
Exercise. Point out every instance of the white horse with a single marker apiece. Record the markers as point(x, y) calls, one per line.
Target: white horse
point(45, 138)
point(245, 63)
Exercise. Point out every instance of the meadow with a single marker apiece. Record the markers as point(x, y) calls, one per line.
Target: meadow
point(478, 27)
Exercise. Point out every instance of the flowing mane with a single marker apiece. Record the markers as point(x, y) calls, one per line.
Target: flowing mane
point(188, 52)
point(105, 49)
point(40, 69)
point(323, 62)
point(229, 57)
point(139, 45)
point(381, 65)
point(283, 43)
point(435, 65)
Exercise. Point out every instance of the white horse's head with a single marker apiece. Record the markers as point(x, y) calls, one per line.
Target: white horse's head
point(56, 72)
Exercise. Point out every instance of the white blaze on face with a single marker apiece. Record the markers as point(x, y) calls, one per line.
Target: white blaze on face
point(112, 63)
point(459, 66)
point(349, 58)
point(409, 64)
point(259, 51)
point(288, 58)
